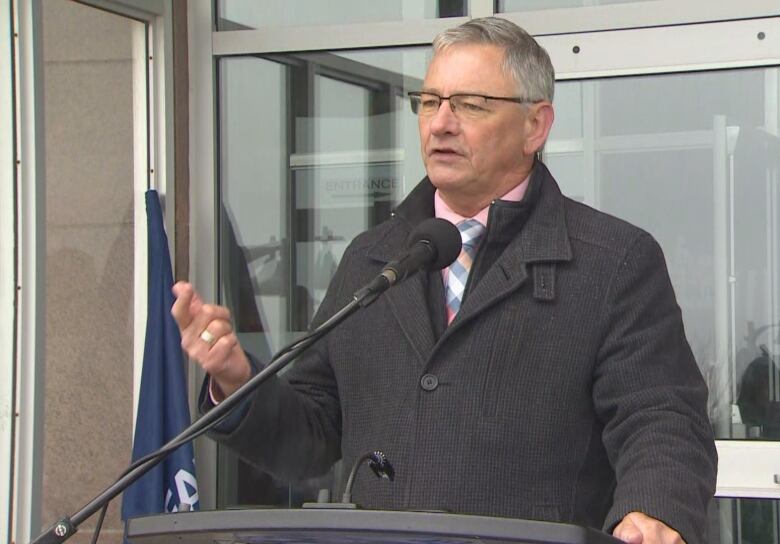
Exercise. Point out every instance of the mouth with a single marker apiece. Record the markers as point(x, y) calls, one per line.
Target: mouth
point(444, 152)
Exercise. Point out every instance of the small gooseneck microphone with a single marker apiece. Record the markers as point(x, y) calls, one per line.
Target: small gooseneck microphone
point(379, 465)
point(434, 244)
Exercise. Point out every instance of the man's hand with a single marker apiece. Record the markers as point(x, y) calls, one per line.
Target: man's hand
point(638, 528)
point(207, 337)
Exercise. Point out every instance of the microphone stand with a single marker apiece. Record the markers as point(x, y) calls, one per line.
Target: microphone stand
point(66, 527)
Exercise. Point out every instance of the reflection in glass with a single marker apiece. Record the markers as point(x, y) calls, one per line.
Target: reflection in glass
point(744, 521)
point(314, 150)
point(244, 14)
point(693, 158)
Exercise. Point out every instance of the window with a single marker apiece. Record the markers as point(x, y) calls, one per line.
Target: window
point(242, 14)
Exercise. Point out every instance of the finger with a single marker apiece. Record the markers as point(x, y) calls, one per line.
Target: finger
point(202, 320)
point(180, 286)
point(663, 533)
point(214, 331)
point(198, 339)
point(209, 313)
point(196, 303)
point(180, 310)
point(217, 362)
point(627, 531)
point(651, 530)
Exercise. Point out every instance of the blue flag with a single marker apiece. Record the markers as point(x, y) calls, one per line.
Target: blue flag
point(163, 411)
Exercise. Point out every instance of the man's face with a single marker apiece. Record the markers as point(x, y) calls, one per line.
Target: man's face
point(473, 160)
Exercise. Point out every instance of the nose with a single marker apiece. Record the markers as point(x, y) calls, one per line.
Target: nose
point(444, 120)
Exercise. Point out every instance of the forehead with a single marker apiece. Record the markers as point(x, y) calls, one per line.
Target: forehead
point(468, 68)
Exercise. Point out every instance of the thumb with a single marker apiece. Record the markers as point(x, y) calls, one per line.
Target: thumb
point(196, 303)
point(183, 293)
point(627, 531)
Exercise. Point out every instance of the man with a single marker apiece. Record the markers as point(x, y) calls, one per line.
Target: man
point(549, 378)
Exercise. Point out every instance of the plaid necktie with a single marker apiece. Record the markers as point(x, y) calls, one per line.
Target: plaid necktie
point(471, 232)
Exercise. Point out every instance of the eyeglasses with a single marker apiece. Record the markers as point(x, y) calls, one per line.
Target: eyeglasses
point(464, 106)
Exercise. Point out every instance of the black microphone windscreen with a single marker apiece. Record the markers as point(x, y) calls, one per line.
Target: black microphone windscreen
point(443, 236)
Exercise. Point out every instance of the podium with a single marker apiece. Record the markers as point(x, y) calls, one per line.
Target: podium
point(336, 526)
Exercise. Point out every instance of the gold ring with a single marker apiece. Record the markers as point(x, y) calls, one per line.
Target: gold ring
point(207, 337)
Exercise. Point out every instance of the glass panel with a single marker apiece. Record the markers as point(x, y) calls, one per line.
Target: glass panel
point(503, 6)
point(88, 104)
point(568, 169)
point(744, 521)
point(568, 111)
point(315, 148)
point(682, 104)
point(247, 14)
point(693, 158)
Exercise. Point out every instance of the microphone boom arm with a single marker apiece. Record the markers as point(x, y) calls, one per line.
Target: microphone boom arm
point(67, 526)
point(434, 244)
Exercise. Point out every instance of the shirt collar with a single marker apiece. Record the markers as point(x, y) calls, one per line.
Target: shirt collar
point(443, 211)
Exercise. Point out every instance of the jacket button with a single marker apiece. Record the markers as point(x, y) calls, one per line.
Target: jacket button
point(429, 382)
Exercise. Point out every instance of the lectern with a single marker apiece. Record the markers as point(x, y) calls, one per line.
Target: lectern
point(351, 527)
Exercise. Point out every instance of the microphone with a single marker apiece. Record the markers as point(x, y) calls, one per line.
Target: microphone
point(434, 244)
point(379, 465)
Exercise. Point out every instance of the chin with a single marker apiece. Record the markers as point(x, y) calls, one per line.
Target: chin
point(445, 183)
point(445, 179)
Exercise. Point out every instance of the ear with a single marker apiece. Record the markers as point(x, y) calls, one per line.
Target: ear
point(538, 122)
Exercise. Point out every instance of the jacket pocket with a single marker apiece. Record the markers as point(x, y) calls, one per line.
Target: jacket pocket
point(502, 356)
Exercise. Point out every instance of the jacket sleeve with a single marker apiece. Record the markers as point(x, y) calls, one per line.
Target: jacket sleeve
point(651, 398)
point(291, 426)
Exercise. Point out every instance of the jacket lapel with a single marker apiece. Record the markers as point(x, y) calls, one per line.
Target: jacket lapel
point(507, 275)
point(408, 304)
point(408, 300)
point(543, 238)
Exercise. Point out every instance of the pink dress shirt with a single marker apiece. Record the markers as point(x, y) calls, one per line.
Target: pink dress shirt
point(443, 211)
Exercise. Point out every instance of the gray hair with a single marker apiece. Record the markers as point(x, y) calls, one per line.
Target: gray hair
point(524, 59)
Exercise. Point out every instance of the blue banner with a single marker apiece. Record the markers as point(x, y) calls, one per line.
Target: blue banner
point(163, 410)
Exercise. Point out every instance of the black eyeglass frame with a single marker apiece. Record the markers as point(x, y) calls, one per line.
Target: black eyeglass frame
point(418, 95)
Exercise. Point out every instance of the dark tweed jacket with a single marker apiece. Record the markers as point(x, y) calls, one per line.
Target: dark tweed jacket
point(564, 390)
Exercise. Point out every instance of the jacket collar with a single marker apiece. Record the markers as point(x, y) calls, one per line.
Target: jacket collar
point(543, 239)
point(546, 237)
